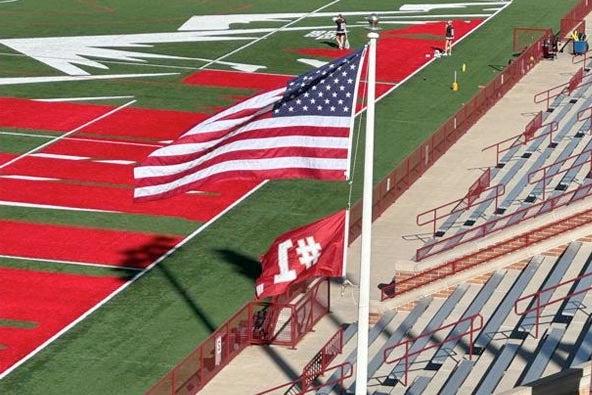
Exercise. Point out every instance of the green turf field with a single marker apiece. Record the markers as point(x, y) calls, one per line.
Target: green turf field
point(130, 342)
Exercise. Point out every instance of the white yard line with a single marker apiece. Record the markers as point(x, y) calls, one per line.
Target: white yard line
point(61, 99)
point(268, 34)
point(53, 207)
point(127, 284)
point(58, 138)
point(77, 263)
point(100, 141)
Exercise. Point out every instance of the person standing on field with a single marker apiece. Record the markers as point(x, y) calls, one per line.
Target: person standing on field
point(449, 39)
point(341, 31)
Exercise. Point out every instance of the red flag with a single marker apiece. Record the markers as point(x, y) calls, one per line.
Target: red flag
point(313, 250)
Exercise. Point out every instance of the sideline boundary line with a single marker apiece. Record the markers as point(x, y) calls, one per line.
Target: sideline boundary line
point(58, 138)
point(131, 281)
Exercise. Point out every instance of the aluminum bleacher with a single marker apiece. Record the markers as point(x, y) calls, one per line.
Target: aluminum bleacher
point(504, 351)
point(564, 151)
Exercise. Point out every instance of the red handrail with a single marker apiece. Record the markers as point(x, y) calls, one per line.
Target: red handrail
point(499, 189)
point(489, 227)
point(537, 299)
point(405, 357)
point(481, 256)
point(574, 82)
point(581, 116)
point(323, 358)
point(559, 163)
point(298, 382)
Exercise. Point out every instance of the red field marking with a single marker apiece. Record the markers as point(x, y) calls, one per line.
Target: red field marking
point(82, 170)
point(52, 300)
point(99, 149)
point(146, 123)
point(194, 207)
point(79, 244)
point(5, 157)
point(333, 53)
point(30, 114)
point(237, 79)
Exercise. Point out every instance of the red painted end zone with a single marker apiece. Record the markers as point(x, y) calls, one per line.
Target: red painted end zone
point(31, 114)
point(51, 300)
point(237, 79)
point(190, 206)
point(72, 243)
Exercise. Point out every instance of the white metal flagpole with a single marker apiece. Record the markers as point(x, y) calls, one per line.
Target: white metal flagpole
point(364, 299)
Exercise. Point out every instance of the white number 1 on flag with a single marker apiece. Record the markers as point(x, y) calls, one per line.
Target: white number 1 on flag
point(285, 274)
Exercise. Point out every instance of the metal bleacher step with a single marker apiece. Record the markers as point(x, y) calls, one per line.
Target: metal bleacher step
point(527, 322)
point(495, 322)
point(438, 319)
point(441, 375)
point(544, 354)
point(498, 368)
point(418, 386)
point(456, 379)
point(475, 307)
point(349, 351)
point(583, 348)
point(377, 370)
point(570, 306)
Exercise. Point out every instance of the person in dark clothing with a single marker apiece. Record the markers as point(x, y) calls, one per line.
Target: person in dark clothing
point(449, 39)
point(341, 31)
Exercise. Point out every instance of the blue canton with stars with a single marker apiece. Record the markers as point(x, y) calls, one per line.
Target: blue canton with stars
point(326, 91)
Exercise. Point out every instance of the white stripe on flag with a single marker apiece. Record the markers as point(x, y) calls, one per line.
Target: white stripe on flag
point(245, 145)
point(245, 165)
point(268, 123)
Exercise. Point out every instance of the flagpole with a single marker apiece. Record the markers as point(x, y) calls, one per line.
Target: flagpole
point(364, 298)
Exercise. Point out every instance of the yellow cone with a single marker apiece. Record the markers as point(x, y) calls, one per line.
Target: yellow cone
point(455, 86)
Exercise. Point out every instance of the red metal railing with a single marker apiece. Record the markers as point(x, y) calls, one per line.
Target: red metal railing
point(574, 17)
point(523, 138)
point(407, 343)
point(545, 170)
point(322, 359)
point(538, 306)
point(298, 385)
point(389, 189)
point(586, 115)
point(568, 87)
point(255, 323)
point(504, 222)
point(457, 265)
point(460, 205)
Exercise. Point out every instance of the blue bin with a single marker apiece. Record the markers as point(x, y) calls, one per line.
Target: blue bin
point(580, 47)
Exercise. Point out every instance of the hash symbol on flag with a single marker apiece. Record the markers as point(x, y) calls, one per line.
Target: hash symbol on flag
point(308, 251)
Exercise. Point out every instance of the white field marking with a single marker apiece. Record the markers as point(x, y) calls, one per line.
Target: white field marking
point(312, 62)
point(52, 207)
point(115, 161)
point(8, 1)
point(436, 16)
point(77, 263)
point(58, 156)
point(100, 141)
point(432, 59)
point(127, 284)
point(196, 192)
point(68, 78)
point(431, 7)
point(165, 141)
point(60, 99)
point(268, 34)
point(27, 178)
point(58, 138)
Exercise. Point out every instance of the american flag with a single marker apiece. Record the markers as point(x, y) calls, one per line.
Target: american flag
point(298, 131)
